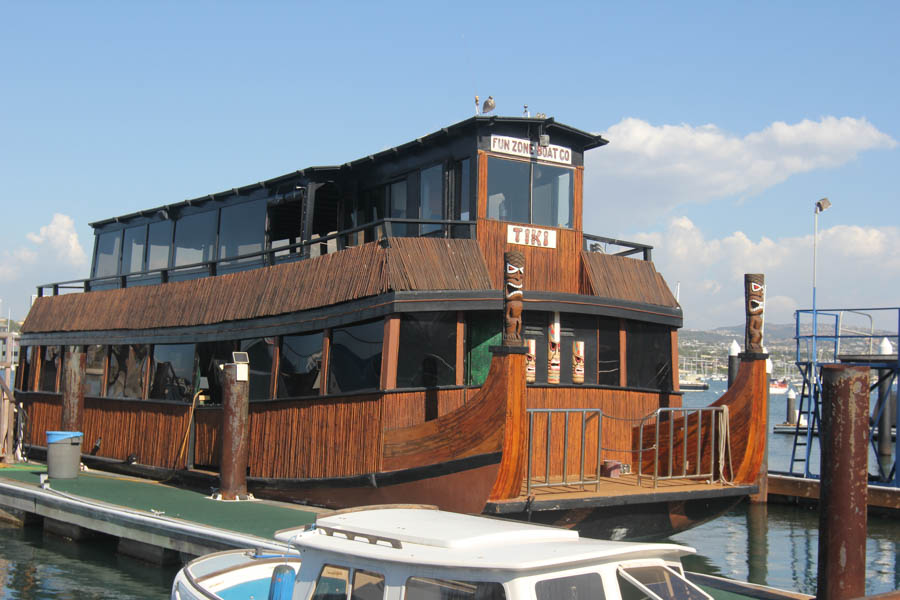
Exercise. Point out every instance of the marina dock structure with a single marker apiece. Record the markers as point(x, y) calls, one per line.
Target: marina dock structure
point(864, 337)
point(154, 522)
point(428, 324)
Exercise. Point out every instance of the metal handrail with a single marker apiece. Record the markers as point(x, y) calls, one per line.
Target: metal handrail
point(717, 415)
point(531, 483)
point(594, 243)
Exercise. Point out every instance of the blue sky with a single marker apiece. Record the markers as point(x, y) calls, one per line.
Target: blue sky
point(726, 122)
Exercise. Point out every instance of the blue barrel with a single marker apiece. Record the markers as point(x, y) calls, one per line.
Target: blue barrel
point(63, 454)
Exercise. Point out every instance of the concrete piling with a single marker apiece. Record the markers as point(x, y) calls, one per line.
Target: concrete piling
point(236, 435)
point(842, 506)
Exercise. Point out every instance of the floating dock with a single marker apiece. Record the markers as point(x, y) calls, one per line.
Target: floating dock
point(151, 520)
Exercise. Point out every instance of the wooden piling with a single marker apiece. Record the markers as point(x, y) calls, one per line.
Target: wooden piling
point(842, 507)
point(236, 435)
point(73, 388)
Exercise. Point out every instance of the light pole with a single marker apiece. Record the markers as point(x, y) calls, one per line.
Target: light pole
point(821, 206)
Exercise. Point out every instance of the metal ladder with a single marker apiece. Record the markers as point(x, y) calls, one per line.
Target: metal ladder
point(808, 408)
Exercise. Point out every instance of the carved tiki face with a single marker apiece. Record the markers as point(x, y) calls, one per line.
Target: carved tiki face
point(755, 297)
point(514, 283)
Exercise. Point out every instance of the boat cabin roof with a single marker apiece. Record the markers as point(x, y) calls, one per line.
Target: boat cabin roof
point(452, 540)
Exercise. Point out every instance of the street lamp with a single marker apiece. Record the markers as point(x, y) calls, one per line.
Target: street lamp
point(821, 206)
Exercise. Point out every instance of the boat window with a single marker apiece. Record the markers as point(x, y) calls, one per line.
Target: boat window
point(172, 372)
point(355, 361)
point(241, 231)
point(51, 363)
point(284, 222)
point(421, 588)
point(109, 245)
point(398, 202)
point(427, 355)
point(260, 351)
point(535, 335)
point(195, 238)
point(95, 363)
point(210, 356)
point(367, 586)
point(159, 241)
point(551, 196)
point(483, 330)
point(299, 369)
point(462, 196)
point(608, 351)
point(26, 360)
point(587, 586)
point(530, 192)
point(431, 197)
point(578, 349)
point(508, 190)
point(648, 352)
point(656, 582)
point(332, 583)
point(125, 375)
point(133, 249)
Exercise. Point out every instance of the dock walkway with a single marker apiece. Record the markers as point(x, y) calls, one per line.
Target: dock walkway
point(149, 518)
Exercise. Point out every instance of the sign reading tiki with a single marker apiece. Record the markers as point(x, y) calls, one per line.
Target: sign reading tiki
point(530, 236)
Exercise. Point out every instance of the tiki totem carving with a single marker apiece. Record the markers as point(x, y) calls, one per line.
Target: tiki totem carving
point(553, 351)
point(755, 299)
point(514, 282)
point(530, 361)
point(578, 361)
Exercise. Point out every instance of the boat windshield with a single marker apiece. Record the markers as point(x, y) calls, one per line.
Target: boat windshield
point(421, 588)
point(656, 583)
point(587, 586)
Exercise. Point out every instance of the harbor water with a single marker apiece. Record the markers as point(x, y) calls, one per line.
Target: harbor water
point(775, 545)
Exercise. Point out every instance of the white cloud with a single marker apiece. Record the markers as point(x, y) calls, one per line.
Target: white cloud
point(855, 265)
point(656, 168)
point(60, 236)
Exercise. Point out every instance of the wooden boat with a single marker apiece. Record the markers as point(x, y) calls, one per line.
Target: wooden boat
point(428, 324)
point(415, 553)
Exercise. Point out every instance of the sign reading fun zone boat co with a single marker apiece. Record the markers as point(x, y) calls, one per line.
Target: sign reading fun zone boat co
point(527, 149)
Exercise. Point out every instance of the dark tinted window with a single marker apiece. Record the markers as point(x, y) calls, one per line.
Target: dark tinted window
point(431, 196)
point(423, 588)
point(578, 337)
point(509, 188)
point(210, 355)
point(551, 196)
point(649, 356)
point(133, 249)
point(95, 362)
point(51, 363)
point(299, 370)
point(483, 330)
point(398, 202)
point(355, 361)
point(427, 355)
point(125, 374)
point(536, 340)
point(608, 351)
point(588, 586)
point(242, 231)
point(159, 241)
point(172, 372)
point(26, 361)
point(109, 246)
point(260, 353)
point(195, 238)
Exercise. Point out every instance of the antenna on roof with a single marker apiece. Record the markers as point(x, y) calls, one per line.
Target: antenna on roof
point(526, 113)
point(476, 104)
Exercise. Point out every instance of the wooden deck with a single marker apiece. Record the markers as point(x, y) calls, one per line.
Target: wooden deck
point(625, 485)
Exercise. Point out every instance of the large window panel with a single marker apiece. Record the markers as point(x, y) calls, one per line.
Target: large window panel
point(133, 249)
point(125, 374)
point(431, 196)
point(355, 361)
point(462, 199)
point(109, 248)
point(648, 353)
point(535, 328)
point(172, 372)
point(159, 242)
point(195, 238)
point(509, 188)
point(551, 196)
point(242, 230)
point(398, 201)
point(299, 369)
point(260, 351)
point(95, 363)
point(608, 351)
point(483, 330)
point(51, 363)
point(210, 356)
point(427, 355)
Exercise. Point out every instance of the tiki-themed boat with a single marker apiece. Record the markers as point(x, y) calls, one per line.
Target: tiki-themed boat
point(428, 324)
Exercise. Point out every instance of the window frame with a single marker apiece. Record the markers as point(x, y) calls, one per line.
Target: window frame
point(531, 163)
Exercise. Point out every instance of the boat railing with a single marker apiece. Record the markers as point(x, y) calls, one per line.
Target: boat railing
point(598, 243)
point(586, 417)
point(380, 230)
point(825, 335)
point(669, 432)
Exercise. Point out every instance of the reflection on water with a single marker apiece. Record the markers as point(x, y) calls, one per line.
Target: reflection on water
point(778, 545)
point(38, 567)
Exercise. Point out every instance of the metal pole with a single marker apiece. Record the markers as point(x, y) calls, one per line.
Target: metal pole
point(843, 495)
point(236, 435)
point(734, 362)
point(884, 423)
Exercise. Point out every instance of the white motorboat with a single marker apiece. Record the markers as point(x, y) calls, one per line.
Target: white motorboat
point(425, 554)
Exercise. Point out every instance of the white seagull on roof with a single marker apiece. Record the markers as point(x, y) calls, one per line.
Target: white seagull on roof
point(489, 105)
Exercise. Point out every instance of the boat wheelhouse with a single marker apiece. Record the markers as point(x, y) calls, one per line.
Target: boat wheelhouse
point(369, 299)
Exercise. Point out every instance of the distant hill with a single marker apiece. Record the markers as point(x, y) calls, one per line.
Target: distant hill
point(775, 332)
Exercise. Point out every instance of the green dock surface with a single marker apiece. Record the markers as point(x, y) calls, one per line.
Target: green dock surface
point(252, 517)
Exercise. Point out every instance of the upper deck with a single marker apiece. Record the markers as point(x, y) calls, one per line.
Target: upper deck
point(504, 181)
